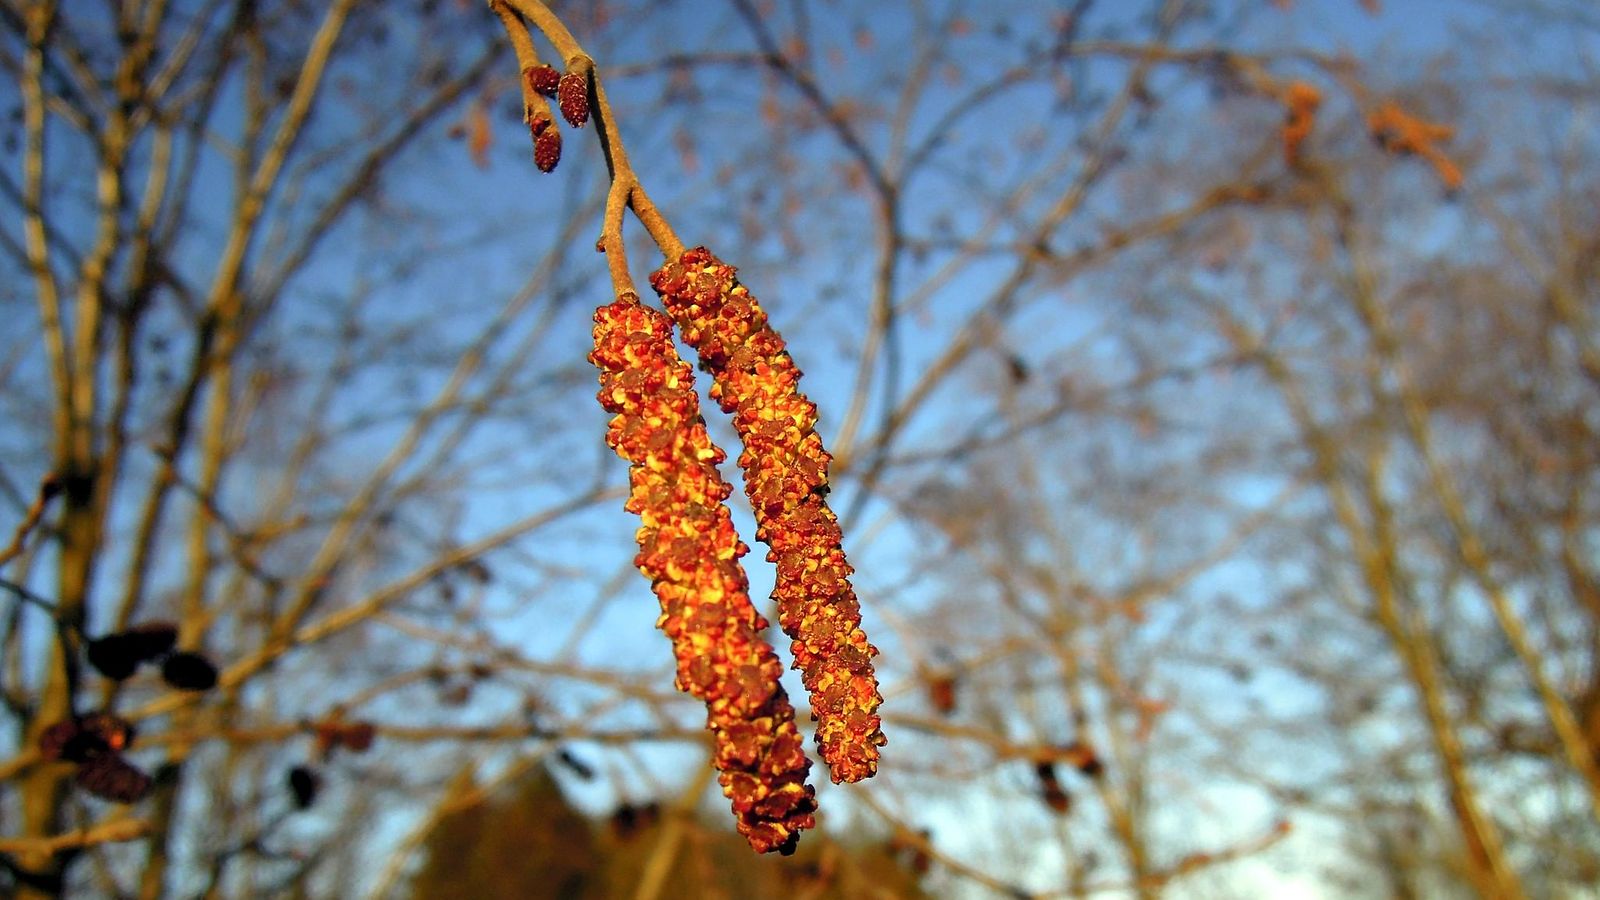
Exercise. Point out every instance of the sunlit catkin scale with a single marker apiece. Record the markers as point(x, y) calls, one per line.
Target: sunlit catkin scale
point(690, 551)
point(786, 478)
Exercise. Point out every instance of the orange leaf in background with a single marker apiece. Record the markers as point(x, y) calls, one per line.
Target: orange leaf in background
point(478, 135)
point(1403, 134)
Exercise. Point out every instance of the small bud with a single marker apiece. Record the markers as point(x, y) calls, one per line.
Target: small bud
point(542, 79)
point(573, 96)
point(304, 782)
point(189, 672)
point(547, 149)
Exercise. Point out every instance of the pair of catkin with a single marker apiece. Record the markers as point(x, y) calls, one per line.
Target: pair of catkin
point(690, 551)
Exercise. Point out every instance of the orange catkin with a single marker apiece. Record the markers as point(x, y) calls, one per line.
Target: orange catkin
point(786, 478)
point(690, 551)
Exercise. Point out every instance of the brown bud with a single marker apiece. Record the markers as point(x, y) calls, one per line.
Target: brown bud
point(573, 96)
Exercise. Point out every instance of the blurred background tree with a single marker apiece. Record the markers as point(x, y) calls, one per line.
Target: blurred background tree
point(1213, 387)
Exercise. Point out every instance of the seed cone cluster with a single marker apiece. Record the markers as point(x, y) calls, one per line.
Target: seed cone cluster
point(786, 478)
point(690, 551)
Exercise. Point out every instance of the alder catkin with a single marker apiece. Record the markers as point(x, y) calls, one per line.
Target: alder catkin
point(786, 478)
point(690, 551)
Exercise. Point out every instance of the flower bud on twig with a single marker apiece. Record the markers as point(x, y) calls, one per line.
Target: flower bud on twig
point(542, 79)
point(573, 96)
point(546, 145)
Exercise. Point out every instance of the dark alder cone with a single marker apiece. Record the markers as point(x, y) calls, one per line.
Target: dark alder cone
point(113, 657)
point(304, 783)
point(113, 778)
point(573, 96)
point(189, 672)
point(546, 147)
point(786, 478)
point(689, 550)
point(542, 79)
point(82, 738)
point(117, 655)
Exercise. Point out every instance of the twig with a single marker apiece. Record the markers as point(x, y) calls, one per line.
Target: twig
point(625, 191)
point(116, 831)
point(48, 488)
